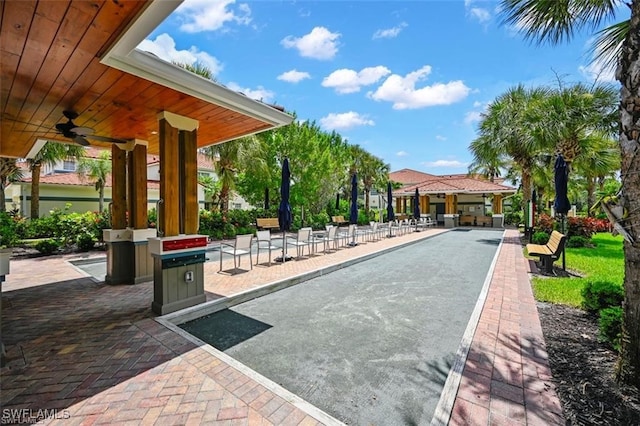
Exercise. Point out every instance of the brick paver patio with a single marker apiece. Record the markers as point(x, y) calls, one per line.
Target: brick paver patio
point(93, 354)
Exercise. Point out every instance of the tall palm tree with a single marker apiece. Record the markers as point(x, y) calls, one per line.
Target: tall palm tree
point(50, 154)
point(569, 115)
point(228, 159)
point(96, 170)
point(555, 22)
point(603, 161)
point(505, 127)
point(488, 160)
point(9, 172)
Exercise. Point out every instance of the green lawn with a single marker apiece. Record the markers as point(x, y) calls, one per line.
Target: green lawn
point(605, 262)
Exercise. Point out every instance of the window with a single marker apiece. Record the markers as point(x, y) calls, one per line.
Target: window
point(69, 165)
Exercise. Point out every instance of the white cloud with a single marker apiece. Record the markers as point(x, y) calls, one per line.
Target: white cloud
point(477, 104)
point(294, 76)
point(402, 153)
point(350, 81)
point(260, 93)
point(440, 138)
point(320, 43)
point(597, 70)
point(472, 117)
point(211, 15)
point(390, 32)
point(445, 163)
point(479, 14)
point(164, 47)
point(345, 121)
point(403, 93)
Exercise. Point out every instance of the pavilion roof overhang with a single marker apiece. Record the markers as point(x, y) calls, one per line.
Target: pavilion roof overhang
point(471, 186)
point(82, 56)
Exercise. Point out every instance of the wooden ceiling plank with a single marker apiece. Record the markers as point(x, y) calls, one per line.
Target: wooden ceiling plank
point(9, 63)
point(34, 74)
point(61, 48)
point(112, 106)
point(16, 22)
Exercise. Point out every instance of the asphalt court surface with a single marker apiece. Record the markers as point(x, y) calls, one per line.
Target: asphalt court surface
point(370, 344)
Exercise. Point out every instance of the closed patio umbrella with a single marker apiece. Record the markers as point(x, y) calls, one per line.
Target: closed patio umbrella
point(266, 199)
point(284, 210)
point(416, 208)
point(561, 203)
point(353, 211)
point(390, 214)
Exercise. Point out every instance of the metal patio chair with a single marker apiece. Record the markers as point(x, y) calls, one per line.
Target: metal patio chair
point(241, 247)
point(263, 239)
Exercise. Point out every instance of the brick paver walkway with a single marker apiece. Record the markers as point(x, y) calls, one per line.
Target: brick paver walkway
point(95, 354)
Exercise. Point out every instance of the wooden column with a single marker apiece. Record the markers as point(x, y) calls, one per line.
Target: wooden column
point(118, 188)
point(425, 204)
point(169, 215)
point(398, 205)
point(497, 204)
point(138, 187)
point(449, 204)
point(189, 182)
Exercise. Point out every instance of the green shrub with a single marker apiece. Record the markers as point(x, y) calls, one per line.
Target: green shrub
point(48, 246)
point(513, 218)
point(540, 237)
point(85, 241)
point(577, 241)
point(8, 230)
point(599, 295)
point(610, 323)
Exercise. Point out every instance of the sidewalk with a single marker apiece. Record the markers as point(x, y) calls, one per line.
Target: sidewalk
point(94, 354)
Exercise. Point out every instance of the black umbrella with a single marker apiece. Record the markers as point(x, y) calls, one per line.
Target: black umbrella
point(390, 215)
point(561, 178)
point(416, 207)
point(266, 198)
point(353, 212)
point(284, 210)
point(337, 201)
point(561, 203)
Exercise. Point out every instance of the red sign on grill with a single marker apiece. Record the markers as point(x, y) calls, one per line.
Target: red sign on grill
point(184, 243)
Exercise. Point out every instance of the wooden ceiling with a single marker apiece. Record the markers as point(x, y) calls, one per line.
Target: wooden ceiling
point(50, 58)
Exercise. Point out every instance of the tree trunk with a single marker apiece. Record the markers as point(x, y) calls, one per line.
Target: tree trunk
point(101, 198)
point(3, 203)
point(591, 189)
point(366, 200)
point(629, 75)
point(224, 201)
point(36, 168)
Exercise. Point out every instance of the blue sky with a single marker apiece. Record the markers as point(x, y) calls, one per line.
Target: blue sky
point(405, 80)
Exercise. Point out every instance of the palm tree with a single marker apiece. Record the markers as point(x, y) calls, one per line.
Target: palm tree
point(603, 161)
point(569, 115)
point(505, 128)
point(9, 172)
point(619, 44)
point(228, 159)
point(50, 154)
point(97, 170)
point(488, 161)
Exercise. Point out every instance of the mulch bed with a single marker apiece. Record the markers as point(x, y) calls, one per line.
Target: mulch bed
point(583, 370)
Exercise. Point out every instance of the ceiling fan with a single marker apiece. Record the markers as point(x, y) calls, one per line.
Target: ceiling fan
point(80, 134)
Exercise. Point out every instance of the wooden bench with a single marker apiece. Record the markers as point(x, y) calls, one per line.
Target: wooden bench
point(550, 252)
point(484, 220)
point(339, 220)
point(466, 219)
point(267, 223)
